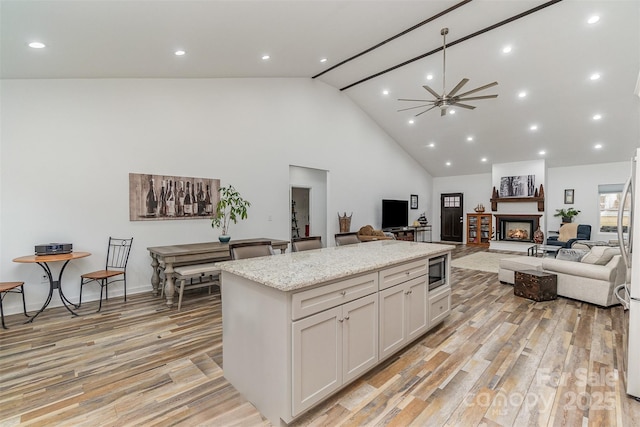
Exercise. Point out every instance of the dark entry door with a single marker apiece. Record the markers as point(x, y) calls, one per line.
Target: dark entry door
point(451, 217)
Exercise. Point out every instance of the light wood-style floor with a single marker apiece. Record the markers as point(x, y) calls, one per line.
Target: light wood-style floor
point(498, 360)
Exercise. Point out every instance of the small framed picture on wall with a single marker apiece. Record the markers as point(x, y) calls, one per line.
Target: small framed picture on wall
point(414, 201)
point(568, 197)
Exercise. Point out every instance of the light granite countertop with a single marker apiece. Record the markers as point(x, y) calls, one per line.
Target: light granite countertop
point(297, 270)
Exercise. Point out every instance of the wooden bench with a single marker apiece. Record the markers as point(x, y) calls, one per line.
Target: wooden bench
point(196, 276)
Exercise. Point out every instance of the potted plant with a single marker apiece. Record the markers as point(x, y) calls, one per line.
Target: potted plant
point(230, 207)
point(566, 214)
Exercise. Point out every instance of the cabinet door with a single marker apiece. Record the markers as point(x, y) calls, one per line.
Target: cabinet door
point(392, 319)
point(417, 308)
point(317, 358)
point(359, 336)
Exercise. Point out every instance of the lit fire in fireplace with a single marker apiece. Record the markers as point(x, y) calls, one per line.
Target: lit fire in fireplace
point(518, 234)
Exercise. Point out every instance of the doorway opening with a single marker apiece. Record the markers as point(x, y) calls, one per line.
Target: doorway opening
point(300, 212)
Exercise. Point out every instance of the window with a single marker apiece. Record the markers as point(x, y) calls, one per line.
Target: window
point(610, 199)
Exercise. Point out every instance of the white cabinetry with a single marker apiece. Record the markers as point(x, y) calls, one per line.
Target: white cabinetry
point(331, 348)
point(288, 348)
point(404, 310)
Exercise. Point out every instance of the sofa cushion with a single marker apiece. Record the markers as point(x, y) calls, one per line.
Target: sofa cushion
point(600, 255)
point(520, 263)
point(579, 269)
point(574, 255)
point(568, 231)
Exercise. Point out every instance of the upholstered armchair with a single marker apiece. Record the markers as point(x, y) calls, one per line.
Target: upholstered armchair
point(570, 233)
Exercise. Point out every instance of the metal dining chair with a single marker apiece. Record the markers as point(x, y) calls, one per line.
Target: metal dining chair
point(11, 287)
point(115, 269)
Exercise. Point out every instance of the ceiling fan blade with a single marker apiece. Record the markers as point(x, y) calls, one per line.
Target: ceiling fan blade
point(411, 108)
point(468, 107)
point(431, 91)
point(476, 97)
point(458, 87)
point(478, 89)
point(426, 110)
point(417, 100)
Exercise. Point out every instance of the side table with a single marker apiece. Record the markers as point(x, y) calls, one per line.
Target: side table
point(43, 261)
point(536, 285)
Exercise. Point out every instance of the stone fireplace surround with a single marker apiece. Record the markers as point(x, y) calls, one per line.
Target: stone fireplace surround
point(516, 227)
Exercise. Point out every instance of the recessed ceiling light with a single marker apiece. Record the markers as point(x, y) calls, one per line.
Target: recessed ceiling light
point(484, 159)
point(594, 76)
point(265, 57)
point(429, 76)
point(452, 111)
point(448, 163)
point(533, 127)
point(385, 92)
point(323, 60)
point(506, 49)
point(411, 121)
point(37, 45)
point(542, 152)
point(597, 117)
point(522, 94)
point(597, 146)
point(179, 52)
point(593, 19)
point(430, 145)
point(469, 138)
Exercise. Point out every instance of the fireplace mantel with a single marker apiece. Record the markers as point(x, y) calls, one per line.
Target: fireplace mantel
point(538, 198)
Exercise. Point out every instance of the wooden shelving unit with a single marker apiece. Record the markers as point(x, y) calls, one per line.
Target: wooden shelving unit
point(479, 229)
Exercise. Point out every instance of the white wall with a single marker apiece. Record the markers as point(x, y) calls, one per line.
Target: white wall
point(584, 180)
point(68, 146)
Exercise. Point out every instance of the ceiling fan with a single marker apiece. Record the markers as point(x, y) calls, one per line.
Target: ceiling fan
point(452, 98)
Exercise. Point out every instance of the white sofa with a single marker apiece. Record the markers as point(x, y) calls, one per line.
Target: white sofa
point(582, 281)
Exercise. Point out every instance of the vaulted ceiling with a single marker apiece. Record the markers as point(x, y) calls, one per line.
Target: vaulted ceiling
point(376, 52)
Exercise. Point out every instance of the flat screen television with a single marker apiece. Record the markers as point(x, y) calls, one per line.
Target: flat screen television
point(395, 213)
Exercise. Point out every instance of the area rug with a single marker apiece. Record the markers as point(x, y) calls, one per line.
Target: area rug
point(483, 261)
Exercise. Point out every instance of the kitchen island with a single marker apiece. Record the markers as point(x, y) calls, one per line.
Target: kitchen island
point(298, 327)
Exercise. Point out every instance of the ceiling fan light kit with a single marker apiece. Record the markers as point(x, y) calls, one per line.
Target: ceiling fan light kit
point(446, 100)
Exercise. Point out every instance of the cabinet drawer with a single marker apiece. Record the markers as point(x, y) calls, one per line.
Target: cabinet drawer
point(439, 305)
point(401, 273)
point(315, 300)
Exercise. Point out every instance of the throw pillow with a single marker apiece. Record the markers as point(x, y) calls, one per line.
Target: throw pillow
point(568, 231)
point(574, 255)
point(600, 255)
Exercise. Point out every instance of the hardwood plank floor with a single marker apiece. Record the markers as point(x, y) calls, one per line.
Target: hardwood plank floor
point(498, 360)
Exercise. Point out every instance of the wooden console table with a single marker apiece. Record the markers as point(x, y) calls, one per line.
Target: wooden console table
point(165, 258)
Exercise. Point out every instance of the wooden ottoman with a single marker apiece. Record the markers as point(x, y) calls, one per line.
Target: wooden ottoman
point(536, 285)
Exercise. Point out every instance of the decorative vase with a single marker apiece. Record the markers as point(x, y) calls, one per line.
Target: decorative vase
point(224, 238)
point(538, 236)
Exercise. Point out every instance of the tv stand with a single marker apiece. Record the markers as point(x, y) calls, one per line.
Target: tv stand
point(411, 234)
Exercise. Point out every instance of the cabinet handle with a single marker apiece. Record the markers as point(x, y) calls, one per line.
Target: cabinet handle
point(340, 320)
point(346, 317)
point(408, 273)
point(343, 293)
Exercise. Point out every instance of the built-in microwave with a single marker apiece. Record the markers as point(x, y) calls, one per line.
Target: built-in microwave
point(437, 272)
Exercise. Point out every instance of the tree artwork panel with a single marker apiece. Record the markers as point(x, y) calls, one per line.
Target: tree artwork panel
point(162, 197)
point(517, 186)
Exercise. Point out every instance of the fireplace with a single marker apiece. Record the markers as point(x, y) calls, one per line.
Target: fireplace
point(516, 227)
